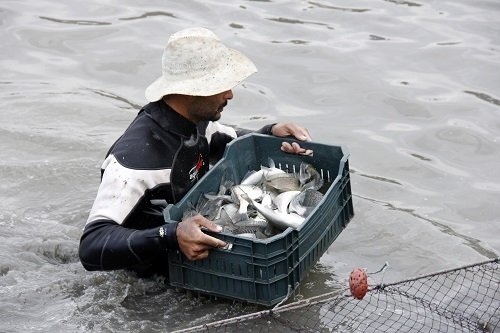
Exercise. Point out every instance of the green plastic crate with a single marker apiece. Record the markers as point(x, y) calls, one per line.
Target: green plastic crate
point(265, 271)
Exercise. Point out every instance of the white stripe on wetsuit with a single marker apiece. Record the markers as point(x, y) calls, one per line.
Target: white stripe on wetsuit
point(214, 127)
point(122, 188)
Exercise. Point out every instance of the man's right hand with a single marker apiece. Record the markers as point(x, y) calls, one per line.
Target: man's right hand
point(193, 242)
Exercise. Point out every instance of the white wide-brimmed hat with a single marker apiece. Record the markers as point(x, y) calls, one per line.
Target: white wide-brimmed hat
point(196, 63)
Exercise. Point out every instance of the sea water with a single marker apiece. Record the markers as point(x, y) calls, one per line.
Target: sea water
point(410, 87)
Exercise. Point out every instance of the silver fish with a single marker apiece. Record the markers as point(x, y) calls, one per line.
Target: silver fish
point(253, 177)
point(283, 200)
point(228, 215)
point(209, 205)
point(247, 228)
point(247, 235)
point(309, 177)
point(279, 219)
point(251, 223)
point(305, 202)
point(252, 191)
point(256, 177)
point(268, 199)
point(282, 182)
point(251, 232)
point(225, 183)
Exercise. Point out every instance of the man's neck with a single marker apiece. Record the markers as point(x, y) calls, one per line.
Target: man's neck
point(178, 103)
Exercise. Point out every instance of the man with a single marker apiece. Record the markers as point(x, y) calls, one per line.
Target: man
point(162, 154)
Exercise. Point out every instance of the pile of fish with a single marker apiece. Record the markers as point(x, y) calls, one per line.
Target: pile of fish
point(266, 202)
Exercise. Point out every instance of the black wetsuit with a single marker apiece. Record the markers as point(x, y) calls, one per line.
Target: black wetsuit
point(159, 158)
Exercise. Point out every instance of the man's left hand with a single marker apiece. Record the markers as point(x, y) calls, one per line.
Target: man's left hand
point(292, 129)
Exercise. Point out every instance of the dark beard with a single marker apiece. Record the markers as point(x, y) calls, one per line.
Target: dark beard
point(216, 117)
point(218, 114)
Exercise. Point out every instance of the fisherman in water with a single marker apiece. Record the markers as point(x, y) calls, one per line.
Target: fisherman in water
point(163, 153)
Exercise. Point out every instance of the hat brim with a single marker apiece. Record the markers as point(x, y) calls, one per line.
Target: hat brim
point(233, 71)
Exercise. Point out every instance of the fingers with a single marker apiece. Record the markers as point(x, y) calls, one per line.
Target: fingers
point(295, 148)
point(194, 243)
point(287, 129)
point(298, 132)
point(212, 241)
point(198, 255)
point(208, 224)
point(302, 133)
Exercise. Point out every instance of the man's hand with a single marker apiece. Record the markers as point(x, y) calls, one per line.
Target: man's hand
point(292, 129)
point(193, 242)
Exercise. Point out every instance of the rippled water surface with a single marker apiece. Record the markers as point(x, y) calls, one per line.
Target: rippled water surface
point(410, 87)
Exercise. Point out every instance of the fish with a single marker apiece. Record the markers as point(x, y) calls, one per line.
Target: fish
point(282, 182)
point(210, 204)
point(238, 227)
point(254, 192)
point(305, 202)
point(247, 235)
point(251, 223)
point(228, 215)
point(270, 231)
point(268, 200)
point(283, 200)
point(253, 177)
point(225, 183)
point(251, 233)
point(280, 220)
point(246, 230)
point(265, 203)
point(256, 177)
point(309, 177)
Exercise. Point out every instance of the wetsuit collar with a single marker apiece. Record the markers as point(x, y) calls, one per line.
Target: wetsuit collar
point(170, 120)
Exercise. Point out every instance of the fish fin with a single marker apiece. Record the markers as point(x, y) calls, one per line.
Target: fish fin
point(248, 174)
point(225, 183)
point(270, 161)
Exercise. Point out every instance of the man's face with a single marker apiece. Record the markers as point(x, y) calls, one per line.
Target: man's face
point(208, 108)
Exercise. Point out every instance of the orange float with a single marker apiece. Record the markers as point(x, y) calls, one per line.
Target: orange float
point(358, 282)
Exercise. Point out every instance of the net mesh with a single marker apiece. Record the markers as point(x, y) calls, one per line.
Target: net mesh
point(465, 299)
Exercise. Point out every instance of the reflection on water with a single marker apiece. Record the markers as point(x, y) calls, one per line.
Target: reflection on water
point(79, 22)
point(407, 3)
point(484, 97)
point(116, 97)
point(295, 21)
point(148, 14)
point(354, 10)
point(469, 241)
point(410, 87)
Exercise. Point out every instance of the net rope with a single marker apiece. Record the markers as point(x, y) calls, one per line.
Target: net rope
point(464, 299)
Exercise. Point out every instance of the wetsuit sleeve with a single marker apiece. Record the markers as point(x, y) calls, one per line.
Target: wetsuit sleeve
point(264, 130)
point(107, 242)
point(106, 245)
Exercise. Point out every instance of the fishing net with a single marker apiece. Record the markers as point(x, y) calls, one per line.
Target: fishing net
point(465, 299)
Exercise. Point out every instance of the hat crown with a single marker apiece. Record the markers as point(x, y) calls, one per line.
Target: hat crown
point(195, 62)
point(192, 53)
